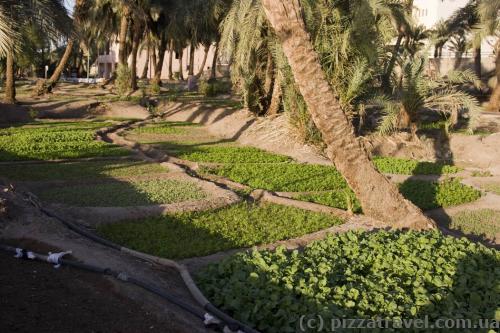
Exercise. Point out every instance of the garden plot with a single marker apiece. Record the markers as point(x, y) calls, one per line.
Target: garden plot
point(481, 223)
point(358, 275)
point(238, 226)
point(313, 183)
point(55, 140)
point(123, 193)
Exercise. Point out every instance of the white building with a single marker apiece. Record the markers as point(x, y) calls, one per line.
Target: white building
point(107, 63)
point(431, 12)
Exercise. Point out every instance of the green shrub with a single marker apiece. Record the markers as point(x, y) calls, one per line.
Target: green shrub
point(483, 222)
point(214, 88)
point(358, 275)
point(123, 80)
point(202, 233)
point(155, 88)
point(430, 195)
point(412, 167)
point(122, 194)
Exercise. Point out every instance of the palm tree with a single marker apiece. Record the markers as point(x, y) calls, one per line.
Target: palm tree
point(417, 93)
point(78, 11)
point(378, 196)
point(49, 15)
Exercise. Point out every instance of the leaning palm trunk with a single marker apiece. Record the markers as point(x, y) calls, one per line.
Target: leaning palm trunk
point(379, 198)
point(274, 106)
point(45, 87)
point(203, 61)
point(10, 82)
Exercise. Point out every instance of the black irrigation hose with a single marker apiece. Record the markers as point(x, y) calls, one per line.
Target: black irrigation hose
point(232, 324)
point(122, 276)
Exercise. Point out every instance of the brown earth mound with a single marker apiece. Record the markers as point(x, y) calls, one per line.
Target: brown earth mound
point(14, 114)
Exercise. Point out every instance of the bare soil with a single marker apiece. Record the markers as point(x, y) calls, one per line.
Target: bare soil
point(36, 297)
point(11, 114)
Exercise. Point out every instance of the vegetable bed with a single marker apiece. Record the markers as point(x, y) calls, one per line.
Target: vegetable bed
point(285, 177)
point(79, 170)
point(484, 223)
point(412, 167)
point(47, 141)
point(203, 233)
point(225, 154)
point(430, 195)
point(358, 275)
point(121, 194)
point(424, 194)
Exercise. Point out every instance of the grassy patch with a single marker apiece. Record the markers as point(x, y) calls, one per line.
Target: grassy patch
point(492, 187)
point(79, 170)
point(477, 173)
point(484, 223)
point(122, 194)
point(223, 154)
point(412, 167)
point(164, 128)
point(358, 275)
point(430, 195)
point(286, 177)
point(57, 140)
point(198, 234)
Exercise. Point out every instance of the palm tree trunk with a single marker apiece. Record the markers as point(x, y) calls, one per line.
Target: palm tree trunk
point(62, 63)
point(477, 61)
point(122, 54)
point(274, 106)
point(204, 61)
point(135, 48)
point(10, 81)
point(191, 59)
point(181, 72)
point(43, 87)
point(458, 60)
point(159, 64)
point(386, 80)
point(153, 60)
point(145, 69)
point(494, 103)
point(213, 73)
point(379, 198)
point(170, 63)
